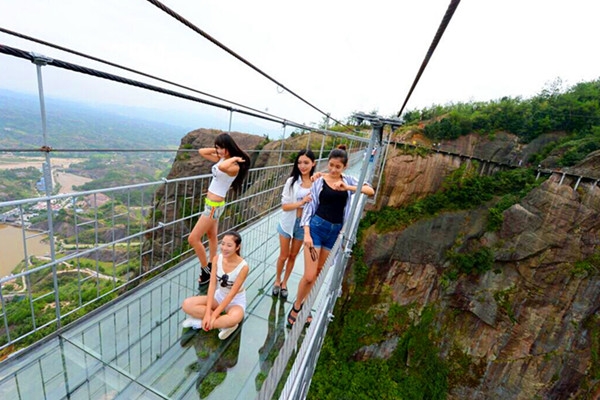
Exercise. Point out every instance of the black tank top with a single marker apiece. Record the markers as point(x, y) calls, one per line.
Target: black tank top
point(332, 204)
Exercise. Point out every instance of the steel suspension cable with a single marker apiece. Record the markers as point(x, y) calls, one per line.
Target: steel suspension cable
point(100, 74)
point(436, 40)
point(33, 57)
point(240, 58)
point(112, 64)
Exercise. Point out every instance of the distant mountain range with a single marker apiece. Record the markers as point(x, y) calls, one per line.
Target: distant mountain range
point(76, 125)
point(79, 125)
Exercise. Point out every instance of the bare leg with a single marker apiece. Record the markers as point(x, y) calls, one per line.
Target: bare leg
point(203, 225)
point(311, 272)
point(233, 316)
point(195, 306)
point(212, 233)
point(284, 251)
point(291, 261)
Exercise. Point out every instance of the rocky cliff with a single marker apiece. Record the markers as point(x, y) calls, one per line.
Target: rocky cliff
point(177, 200)
point(530, 326)
point(409, 177)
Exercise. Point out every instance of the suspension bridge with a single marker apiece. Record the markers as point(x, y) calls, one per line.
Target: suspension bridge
point(119, 334)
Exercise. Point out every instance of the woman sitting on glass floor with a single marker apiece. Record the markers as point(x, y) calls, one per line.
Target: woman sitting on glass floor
point(224, 305)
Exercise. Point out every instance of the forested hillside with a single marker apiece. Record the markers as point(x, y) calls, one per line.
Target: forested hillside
point(465, 285)
point(574, 111)
point(73, 125)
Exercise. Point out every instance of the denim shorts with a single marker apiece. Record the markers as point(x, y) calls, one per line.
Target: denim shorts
point(323, 233)
point(212, 209)
point(298, 232)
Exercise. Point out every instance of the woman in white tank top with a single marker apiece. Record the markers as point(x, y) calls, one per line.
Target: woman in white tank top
point(225, 292)
point(296, 193)
point(231, 167)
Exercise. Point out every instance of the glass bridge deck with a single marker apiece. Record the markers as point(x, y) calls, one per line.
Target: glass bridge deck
point(137, 349)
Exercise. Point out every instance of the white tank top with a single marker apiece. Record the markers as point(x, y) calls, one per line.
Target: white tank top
point(302, 193)
point(221, 182)
point(231, 276)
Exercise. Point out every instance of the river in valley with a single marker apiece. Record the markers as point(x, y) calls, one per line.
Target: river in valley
point(11, 248)
point(11, 238)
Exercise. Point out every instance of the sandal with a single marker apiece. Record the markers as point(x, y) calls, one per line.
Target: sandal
point(276, 290)
point(291, 320)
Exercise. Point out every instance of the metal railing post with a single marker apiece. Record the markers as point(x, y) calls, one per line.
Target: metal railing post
point(40, 61)
point(282, 140)
point(376, 134)
point(323, 140)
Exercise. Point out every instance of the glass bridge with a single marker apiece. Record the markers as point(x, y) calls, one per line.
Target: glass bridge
point(134, 347)
point(99, 316)
point(137, 349)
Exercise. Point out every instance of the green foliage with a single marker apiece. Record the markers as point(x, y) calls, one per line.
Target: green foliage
point(463, 189)
point(587, 267)
point(463, 369)
point(503, 300)
point(353, 381)
point(415, 151)
point(576, 110)
point(495, 213)
point(73, 292)
point(452, 126)
point(107, 171)
point(209, 383)
point(593, 326)
point(411, 117)
point(292, 157)
point(419, 370)
point(577, 148)
point(183, 156)
point(414, 371)
point(18, 183)
point(476, 262)
point(360, 268)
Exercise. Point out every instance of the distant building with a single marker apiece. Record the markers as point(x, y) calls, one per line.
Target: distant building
point(41, 184)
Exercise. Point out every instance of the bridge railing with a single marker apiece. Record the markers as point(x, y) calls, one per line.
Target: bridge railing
point(95, 245)
point(105, 242)
point(81, 250)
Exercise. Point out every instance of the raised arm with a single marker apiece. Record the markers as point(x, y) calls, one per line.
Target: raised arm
point(209, 153)
point(349, 183)
point(230, 165)
point(366, 189)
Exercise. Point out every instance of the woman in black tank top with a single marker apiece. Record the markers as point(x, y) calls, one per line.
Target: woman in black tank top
point(322, 220)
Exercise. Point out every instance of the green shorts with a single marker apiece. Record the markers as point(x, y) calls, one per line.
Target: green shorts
point(213, 209)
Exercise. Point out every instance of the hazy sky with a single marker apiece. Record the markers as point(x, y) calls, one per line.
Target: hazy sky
point(342, 56)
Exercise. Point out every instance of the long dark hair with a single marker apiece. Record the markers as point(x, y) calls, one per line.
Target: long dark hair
point(237, 239)
point(340, 153)
point(225, 141)
point(296, 171)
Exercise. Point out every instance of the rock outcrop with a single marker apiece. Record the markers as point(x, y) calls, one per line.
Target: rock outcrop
point(176, 201)
point(532, 323)
point(170, 204)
